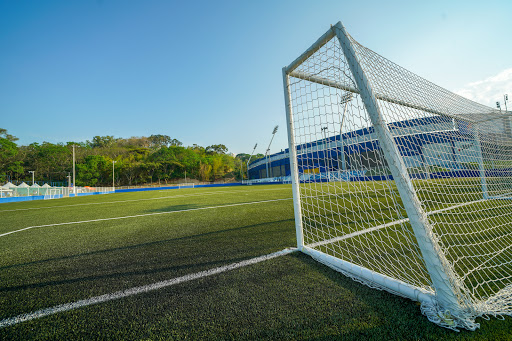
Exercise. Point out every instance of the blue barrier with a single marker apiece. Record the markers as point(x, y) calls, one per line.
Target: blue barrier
point(145, 189)
point(195, 186)
point(41, 197)
point(29, 198)
point(91, 193)
point(177, 187)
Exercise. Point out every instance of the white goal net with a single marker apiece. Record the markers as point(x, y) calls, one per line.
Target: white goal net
point(399, 183)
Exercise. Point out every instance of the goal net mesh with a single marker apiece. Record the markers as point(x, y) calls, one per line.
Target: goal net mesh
point(457, 154)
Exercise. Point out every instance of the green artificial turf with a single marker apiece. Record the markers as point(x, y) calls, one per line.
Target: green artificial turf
point(289, 297)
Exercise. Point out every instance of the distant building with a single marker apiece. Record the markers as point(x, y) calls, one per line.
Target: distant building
point(423, 142)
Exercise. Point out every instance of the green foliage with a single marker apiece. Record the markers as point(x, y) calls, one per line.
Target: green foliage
point(139, 160)
point(102, 141)
point(8, 151)
point(49, 161)
point(216, 149)
point(9, 137)
point(95, 170)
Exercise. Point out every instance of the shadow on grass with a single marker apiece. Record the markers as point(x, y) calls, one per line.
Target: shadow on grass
point(174, 208)
point(120, 275)
point(142, 245)
point(386, 316)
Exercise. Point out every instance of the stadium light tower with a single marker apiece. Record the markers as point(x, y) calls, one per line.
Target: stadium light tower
point(268, 149)
point(113, 183)
point(241, 170)
point(344, 100)
point(74, 172)
point(326, 150)
point(505, 99)
point(324, 133)
point(33, 172)
point(250, 157)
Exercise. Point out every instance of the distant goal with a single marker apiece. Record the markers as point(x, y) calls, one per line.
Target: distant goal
point(399, 183)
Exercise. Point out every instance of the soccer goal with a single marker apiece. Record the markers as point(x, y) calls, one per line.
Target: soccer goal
point(399, 183)
point(52, 193)
point(186, 185)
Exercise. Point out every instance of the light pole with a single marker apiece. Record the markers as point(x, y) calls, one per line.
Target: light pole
point(268, 149)
point(241, 171)
point(74, 172)
point(256, 145)
point(344, 100)
point(326, 158)
point(33, 172)
point(505, 99)
point(113, 181)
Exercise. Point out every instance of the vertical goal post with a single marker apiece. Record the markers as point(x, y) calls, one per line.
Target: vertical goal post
point(397, 138)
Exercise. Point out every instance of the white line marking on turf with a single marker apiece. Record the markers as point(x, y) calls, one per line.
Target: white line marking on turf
point(396, 222)
point(138, 290)
point(132, 200)
point(144, 215)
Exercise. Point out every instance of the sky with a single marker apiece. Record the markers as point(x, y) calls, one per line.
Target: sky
point(209, 72)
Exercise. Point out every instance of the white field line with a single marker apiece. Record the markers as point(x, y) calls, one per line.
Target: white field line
point(375, 228)
point(134, 200)
point(138, 290)
point(144, 215)
point(357, 233)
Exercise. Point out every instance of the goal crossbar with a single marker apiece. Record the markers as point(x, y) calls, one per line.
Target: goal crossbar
point(328, 35)
point(326, 82)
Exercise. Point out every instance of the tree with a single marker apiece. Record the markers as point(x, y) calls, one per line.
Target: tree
point(8, 150)
point(139, 160)
point(216, 149)
point(9, 137)
point(14, 170)
point(159, 141)
point(149, 169)
point(176, 143)
point(198, 149)
point(102, 141)
point(94, 171)
point(205, 171)
point(50, 161)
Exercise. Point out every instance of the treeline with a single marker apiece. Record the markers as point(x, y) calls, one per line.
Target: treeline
point(135, 161)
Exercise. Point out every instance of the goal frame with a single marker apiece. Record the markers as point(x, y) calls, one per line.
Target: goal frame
point(447, 303)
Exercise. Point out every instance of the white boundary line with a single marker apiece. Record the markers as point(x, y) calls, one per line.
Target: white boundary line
point(135, 200)
point(111, 202)
point(143, 215)
point(137, 290)
point(375, 228)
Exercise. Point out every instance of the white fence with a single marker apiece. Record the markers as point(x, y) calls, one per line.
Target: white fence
point(23, 190)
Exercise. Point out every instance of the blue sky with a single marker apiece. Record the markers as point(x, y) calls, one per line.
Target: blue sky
point(209, 72)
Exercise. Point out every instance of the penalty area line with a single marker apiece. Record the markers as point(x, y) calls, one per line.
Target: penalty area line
point(142, 215)
point(138, 290)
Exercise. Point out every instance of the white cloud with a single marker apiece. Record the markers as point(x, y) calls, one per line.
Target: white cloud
point(490, 90)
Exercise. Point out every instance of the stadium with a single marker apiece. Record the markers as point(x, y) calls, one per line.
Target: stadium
point(431, 147)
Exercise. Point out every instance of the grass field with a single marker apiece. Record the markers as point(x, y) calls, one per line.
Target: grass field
point(68, 250)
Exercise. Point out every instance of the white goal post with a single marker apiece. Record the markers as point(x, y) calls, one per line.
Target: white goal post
point(399, 183)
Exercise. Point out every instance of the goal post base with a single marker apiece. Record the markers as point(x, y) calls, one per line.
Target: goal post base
point(429, 305)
